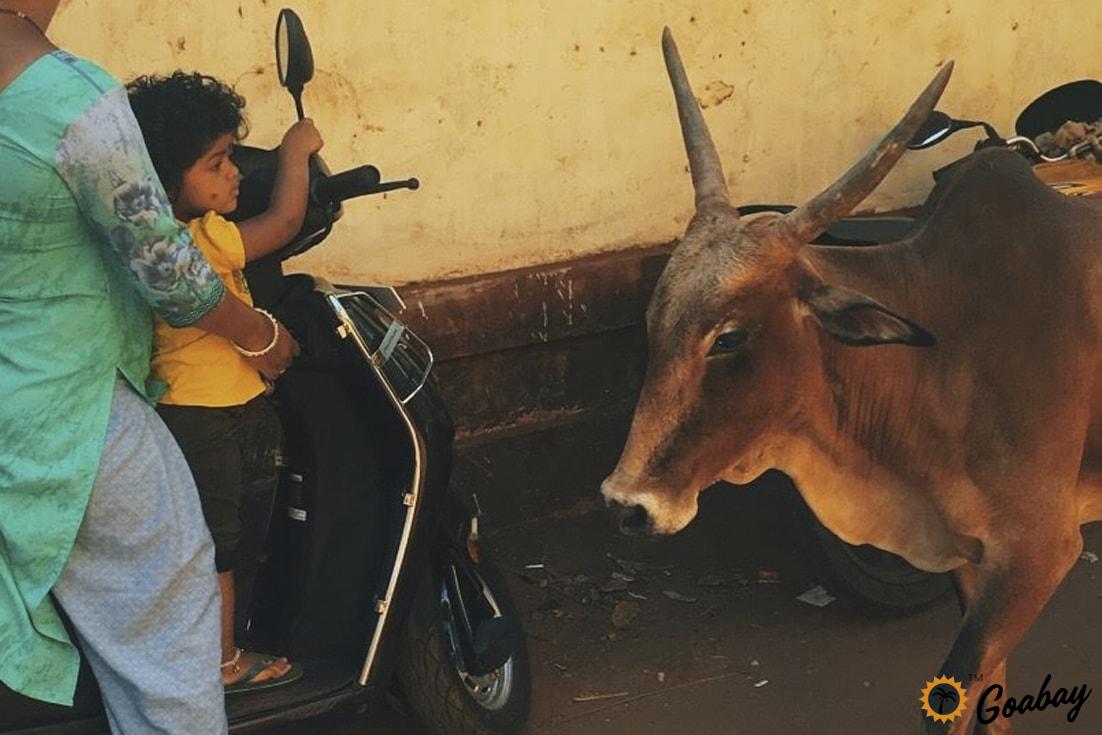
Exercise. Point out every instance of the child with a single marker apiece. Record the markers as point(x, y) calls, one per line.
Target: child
point(215, 405)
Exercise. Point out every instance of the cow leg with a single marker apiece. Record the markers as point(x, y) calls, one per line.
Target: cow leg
point(964, 580)
point(1007, 592)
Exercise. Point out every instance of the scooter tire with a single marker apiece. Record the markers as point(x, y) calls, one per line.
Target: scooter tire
point(877, 581)
point(437, 694)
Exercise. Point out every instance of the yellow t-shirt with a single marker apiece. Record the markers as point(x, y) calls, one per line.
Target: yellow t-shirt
point(203, 369)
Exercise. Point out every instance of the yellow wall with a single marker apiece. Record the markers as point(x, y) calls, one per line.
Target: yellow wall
point(543, 129)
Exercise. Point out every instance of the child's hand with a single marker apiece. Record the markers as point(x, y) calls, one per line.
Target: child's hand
point(302, 139)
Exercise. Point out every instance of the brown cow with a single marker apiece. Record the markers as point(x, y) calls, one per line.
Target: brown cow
point(968, 444)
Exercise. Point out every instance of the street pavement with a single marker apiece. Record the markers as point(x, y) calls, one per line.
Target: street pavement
point(703, 633)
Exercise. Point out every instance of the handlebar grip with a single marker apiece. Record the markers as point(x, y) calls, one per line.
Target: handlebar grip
point(348, 184)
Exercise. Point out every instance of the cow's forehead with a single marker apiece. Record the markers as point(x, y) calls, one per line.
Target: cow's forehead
point(711, 268)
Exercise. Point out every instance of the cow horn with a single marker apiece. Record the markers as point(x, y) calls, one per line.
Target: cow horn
point(707, 173)
point(809, 221)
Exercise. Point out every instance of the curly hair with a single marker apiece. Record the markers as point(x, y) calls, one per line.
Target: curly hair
point(181, 115)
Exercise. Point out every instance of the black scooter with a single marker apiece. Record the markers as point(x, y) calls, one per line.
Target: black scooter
point(371, 574)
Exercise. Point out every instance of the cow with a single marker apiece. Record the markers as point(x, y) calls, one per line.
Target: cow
point(936, 397)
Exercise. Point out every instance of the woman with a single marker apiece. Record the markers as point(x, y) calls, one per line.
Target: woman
point(96, 503)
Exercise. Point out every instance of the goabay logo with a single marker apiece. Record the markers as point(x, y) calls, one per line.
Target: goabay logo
point(943, 699)
point(988, 709)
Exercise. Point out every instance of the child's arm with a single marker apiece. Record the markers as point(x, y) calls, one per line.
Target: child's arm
point(267, 232)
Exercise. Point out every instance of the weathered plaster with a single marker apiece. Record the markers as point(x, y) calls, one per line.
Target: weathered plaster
point(545, 129)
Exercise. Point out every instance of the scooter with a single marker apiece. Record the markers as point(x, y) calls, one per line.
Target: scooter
point(371, 575)
point(873, 578)
point(1072, 169)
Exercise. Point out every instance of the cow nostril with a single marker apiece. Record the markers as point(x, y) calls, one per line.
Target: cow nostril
point(631, 519)
point(635, 519)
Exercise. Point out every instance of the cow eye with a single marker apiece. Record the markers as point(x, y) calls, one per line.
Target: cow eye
point(729, 342)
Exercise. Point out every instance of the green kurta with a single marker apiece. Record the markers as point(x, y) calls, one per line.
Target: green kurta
point(87, 243)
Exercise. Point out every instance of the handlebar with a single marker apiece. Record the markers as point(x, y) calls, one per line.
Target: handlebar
point(1033, 150)
point(347, 184)
point(356, 182)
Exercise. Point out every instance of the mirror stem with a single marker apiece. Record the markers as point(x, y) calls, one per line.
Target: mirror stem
point(297, 95)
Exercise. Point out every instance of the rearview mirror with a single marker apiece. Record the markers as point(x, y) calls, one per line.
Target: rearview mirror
point(294, 60)
point(937, 127)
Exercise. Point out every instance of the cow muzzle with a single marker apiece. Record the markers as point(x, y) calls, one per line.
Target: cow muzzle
point(631, 520)
point(640, 511)
point(631, 516)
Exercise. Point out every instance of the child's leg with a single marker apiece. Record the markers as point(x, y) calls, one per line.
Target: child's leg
point(209, 440)
point(261, 437)
point(139, 583)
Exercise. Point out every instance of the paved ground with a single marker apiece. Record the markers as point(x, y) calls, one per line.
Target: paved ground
point(734, 651)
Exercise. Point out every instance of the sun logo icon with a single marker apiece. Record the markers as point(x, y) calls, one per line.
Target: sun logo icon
point(943, 699)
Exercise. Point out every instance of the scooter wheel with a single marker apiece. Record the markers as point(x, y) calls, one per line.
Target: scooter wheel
point(876, 580)
point(451, 701)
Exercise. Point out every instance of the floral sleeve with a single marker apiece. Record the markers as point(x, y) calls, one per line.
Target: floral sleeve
point(103, 160)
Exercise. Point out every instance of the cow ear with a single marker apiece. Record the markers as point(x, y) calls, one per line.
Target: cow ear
point(854, 319)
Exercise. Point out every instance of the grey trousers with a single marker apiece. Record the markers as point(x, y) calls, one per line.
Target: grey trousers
point(140, 586)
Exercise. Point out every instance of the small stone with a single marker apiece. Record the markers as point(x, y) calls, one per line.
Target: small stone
point(624, 613)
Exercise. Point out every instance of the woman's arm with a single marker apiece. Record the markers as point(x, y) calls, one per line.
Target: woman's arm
point(103, 160)
point(273, 229)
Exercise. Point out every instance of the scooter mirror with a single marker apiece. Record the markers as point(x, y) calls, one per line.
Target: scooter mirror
point(1078, 101)
point(294, 60)
point(937, 127)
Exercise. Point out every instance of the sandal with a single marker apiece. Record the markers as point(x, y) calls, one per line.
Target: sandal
point(247, 684)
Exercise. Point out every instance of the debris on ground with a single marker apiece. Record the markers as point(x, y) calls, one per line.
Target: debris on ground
point(817, 596)
point(754, 662)
point(624, 613)
point(636, 595)
point(614, 585)
point(637, 569)
point(674, 595)
point(627, 566)
point(715, 580)
point(596, 697)
point(1089, 556)
point(661, 677)
point(768, 576)
point(761, 683)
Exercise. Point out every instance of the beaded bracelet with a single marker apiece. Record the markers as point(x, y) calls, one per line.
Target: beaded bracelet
point(271, 345)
